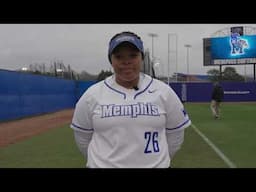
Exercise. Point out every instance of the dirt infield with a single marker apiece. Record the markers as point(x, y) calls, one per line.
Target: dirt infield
point(13, 131)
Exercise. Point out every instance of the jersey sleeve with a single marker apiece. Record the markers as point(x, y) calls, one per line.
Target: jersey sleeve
point(82, 140)
point(175, 141)
point(176, 117)
point(81, 120)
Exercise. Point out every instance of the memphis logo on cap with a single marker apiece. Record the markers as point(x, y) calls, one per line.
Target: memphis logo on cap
point(126, 38)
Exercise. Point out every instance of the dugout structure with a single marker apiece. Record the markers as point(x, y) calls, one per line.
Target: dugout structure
point(231, 46)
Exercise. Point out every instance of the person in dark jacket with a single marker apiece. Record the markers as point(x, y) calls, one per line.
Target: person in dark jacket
point(217, 97)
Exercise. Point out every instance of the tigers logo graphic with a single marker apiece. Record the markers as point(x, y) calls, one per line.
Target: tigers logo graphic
point(237, 44)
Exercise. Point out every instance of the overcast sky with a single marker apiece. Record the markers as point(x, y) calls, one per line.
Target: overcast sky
point(84, 46)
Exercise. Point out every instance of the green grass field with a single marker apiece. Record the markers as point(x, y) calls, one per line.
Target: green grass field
point(233, 134)
point(53, 149)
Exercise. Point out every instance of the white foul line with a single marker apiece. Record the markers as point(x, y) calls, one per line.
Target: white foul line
point(222, 156)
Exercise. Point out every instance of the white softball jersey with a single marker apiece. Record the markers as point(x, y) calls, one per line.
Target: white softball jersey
point(129, 127)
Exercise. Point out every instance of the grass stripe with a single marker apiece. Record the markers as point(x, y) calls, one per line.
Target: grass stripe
point(218, 151)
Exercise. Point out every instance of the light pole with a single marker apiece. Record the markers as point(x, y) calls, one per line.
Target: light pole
point(153, 35)
point(168, 75)
point(187, 46)
point(245, 73)
point(174, 36)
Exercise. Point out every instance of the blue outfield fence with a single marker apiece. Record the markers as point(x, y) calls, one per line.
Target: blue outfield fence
point(81, 87)
point(24, 94)
point(201, 92)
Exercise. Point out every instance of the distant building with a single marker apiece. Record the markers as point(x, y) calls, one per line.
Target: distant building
point(193, 77)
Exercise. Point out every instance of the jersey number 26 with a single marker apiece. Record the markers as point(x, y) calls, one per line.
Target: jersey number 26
point(151, 142)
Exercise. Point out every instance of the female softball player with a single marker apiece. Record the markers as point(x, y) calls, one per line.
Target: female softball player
point(129, 120)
